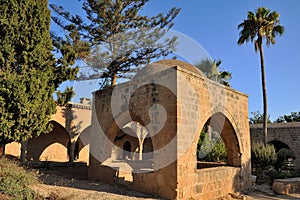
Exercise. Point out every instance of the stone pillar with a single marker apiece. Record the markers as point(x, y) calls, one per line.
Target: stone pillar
point(141, 134)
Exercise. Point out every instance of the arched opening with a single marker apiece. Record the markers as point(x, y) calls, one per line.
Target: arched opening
point(82, 146)
point(148, 149)
point(141, 147)
point(279, 145)
point(54, 152)
point(218, 144)
point(285, 156)
point(13, 149)
point(37, 145)
point(126, 150)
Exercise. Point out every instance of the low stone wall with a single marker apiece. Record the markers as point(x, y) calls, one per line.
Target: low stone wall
point(212, 183)
point(287, 186)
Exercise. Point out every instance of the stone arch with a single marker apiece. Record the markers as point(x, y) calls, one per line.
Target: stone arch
point(37, 145)
point(222, 124)
point(279, 145)
point(114, 129)
point(116, 137)
point(228, 116)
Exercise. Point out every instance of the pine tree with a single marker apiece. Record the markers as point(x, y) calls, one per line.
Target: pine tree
point(29, 72)
point(120, 38)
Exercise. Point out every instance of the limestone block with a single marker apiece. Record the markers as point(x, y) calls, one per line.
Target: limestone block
point(286, 186)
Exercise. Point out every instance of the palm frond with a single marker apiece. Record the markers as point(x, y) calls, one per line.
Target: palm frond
point(261, 24)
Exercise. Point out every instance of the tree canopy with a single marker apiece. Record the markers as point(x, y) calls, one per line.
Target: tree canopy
point(293, 117)
point(119, 37)
point(211, 68)
point(257, 118)
point(29, 72)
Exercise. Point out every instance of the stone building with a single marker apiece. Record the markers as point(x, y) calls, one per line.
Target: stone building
point(144, 133)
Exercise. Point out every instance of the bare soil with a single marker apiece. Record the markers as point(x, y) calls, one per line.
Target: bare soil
point(66, 183)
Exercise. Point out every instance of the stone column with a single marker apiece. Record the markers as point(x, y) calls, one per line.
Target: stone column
point(141, 134)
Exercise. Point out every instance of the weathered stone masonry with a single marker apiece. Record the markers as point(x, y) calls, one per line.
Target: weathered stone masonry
point(195, 102)
point(54, 145)
point(288, 133)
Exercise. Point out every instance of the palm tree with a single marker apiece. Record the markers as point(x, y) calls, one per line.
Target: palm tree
point(263, 25)
point(211, 69)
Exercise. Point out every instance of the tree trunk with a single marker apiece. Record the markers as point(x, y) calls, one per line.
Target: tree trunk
point(114, 80)
point(72, 152)
point(23, 151)
point(264, 90)
point(69, 126)
point(2, 150)
point(209, 132)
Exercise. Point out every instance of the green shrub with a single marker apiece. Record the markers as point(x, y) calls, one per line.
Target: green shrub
point(14, 180)
point(288, 174)
point(211, 149)
point(283, 155)
point(263, 155)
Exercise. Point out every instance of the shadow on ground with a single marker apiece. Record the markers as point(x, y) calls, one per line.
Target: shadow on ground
point(76, 176)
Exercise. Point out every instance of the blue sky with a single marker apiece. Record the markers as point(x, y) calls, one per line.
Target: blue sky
point(213, 24)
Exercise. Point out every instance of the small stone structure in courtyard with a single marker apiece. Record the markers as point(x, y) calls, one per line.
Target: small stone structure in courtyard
point(144, 134)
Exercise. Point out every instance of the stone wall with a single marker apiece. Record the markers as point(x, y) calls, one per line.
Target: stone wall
point(162, 183)
point(54, 145)
point(288, 133)
point(226, 110)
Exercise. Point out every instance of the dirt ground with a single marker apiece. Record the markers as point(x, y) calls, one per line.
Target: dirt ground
point(70, 183)
point(66, 183)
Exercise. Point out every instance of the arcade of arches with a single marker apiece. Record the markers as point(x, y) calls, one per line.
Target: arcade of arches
point(55, 146)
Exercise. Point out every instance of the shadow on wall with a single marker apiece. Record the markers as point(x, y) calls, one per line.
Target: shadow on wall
point(57, 139)
point(82, 146)
point(52, 146)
